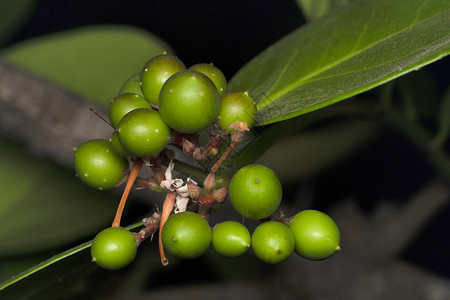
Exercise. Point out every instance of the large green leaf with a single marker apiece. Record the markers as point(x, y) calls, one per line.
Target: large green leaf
point(44, 206)
point(365, 44)
point(91, 61)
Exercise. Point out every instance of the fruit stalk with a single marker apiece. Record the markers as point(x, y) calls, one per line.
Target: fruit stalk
point(137, 165)
point(167, 208)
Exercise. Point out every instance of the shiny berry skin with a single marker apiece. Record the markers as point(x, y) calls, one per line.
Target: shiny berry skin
point(98, 165)
point(189, 102)
point(132, 85)
point(123, 104)
point(113, 248)
point(186, 235)
point(316, 235)
point(212, 73)
point(273, 242)
point(143, 133)
point(120, 150)
point(156, 72)
point(236, 107)
point(255, 191)
point(231, 238)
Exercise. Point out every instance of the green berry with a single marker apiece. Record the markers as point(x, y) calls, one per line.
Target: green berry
point(186, 235)
point(155, 74)
point(189, 102)
point(132, 85)
point(236, 107)
point(123, 104)
point(255, 191)
point(212, 73)
point(316, 235)
point(98, 165)
point(113, 248)
point(273, 242)
point(143, 133)
point(231, 238)
point(120, 150)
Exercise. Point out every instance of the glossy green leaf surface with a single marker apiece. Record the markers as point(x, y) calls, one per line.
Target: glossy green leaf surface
point(44, 206)
point(91, 61)
point(365, 44)
point(313, 9)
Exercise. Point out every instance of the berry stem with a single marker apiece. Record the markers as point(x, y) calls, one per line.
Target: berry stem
point(167, 208)
point(98, 115)
point(137, 165)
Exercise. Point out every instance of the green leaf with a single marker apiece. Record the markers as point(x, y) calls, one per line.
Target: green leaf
point(91, 61)
point(54, 274)
point(12, 15)
point(313, 9)
point(419, 94)
point(364, 45)
point(44, 206)
point(443, 121)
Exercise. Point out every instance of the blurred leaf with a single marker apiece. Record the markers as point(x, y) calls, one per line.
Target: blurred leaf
point(304, 156)
point(44, 206)
point(420, 95)
point(363, 45)
point(12, 15)
point(443, 121)
point(314, 9)
point(92, 61)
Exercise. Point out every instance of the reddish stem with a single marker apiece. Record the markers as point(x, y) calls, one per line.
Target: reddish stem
point(137, 165)
point(166, 210)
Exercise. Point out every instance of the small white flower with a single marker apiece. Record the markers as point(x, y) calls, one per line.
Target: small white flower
point(177, 185)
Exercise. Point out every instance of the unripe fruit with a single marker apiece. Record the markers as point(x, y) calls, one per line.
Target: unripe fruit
point(186, 235)
point(120, 150)
point(132, 85)
point(316, 235)
point(273, 242)
point(189, 102)
point(236, 107)
point(123, 104)
point(113, 248)
point(231, 238)
point(212, 73)
point(143, 133)
point(255, 191)
point(155, 74)
point(97, 164)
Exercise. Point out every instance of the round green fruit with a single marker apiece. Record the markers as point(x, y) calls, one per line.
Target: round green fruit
point(236, 107)
point(143, 133)
point(123, 104)
point(273, 242)
point(186, 235)
point(316, 235)
point(212, 73)
point(132, 85)
point(255, 191)
point(120, 150)
point(189, 102)
point(98, 165)
point(231, 238)
point(155, 74)
point(113, 248)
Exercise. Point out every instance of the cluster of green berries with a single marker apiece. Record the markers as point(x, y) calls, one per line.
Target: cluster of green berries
point(310, 233)
point(162, 98)
point(255, 192)
point(153, 106)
